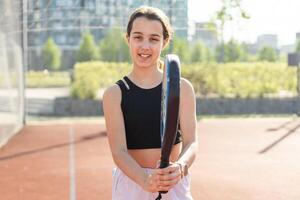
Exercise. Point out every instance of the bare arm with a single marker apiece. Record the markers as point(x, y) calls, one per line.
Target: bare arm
point(188, 123)
point(117, 139)
point(187, 115)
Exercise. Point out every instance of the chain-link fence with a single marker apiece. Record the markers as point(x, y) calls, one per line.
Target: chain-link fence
point(11, 68)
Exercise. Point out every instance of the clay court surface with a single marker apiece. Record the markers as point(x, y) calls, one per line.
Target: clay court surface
point(238, 159)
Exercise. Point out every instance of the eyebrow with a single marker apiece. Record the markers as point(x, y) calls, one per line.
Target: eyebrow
point(140, 33)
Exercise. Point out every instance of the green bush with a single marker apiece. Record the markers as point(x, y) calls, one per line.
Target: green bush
point(90, 76)
point(267, 54)
point(242, 80)
point(42, 79)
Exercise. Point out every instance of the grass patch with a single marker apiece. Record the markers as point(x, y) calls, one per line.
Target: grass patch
point(46, 79)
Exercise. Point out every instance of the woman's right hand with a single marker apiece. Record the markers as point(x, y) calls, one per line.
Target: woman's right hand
point(163, 179)
point(151, 182)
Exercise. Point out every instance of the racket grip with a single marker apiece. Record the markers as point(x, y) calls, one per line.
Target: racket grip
point(163, 164)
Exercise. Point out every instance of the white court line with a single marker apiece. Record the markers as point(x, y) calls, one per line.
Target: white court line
point(72, 164)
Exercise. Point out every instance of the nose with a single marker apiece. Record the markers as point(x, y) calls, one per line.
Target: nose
point(145, 45)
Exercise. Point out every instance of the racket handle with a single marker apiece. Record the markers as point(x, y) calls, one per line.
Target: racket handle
point(163, 164)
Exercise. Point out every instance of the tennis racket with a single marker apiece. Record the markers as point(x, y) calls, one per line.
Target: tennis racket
point(169, 108)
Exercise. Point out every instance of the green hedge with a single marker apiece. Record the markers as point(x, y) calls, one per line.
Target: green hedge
point(35, 79)
point(90, 76)
point(223, 80)
point(241, 79)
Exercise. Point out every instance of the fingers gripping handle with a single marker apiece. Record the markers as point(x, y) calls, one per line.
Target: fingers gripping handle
point(171, 109)
point(163, 164)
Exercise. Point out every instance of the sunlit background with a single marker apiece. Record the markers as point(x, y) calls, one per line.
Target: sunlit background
point(71, 50)
point(58, 56)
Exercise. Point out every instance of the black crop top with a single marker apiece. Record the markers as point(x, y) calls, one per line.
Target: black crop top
point(141, 112)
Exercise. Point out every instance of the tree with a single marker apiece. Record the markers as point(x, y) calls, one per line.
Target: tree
point(181, 48)
point(88, 50)
point(245, 52)
point(209, 55)
point(233, 52)
point(51, 55)
point(267, 54)
point(200, 53)
point(225, 14)
point(113, 47)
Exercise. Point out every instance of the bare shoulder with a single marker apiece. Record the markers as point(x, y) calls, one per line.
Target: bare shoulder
point(186, 87)
point(112, 94)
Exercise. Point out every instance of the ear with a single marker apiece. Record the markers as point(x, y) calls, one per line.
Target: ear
point(165, 43)
point(127, 38)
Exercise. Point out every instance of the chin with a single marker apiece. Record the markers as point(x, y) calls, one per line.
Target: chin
point(144, 65)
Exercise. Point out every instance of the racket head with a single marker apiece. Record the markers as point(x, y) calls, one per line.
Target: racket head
point(169, 106)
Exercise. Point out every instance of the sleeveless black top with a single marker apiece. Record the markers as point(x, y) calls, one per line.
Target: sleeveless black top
point(141, 111)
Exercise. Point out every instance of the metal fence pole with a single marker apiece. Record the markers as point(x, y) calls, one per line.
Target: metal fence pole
point(25, 55)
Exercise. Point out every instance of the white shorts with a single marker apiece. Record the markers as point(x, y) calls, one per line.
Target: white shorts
point(123, 188)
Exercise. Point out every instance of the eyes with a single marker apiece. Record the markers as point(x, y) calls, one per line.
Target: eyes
point(141, 38)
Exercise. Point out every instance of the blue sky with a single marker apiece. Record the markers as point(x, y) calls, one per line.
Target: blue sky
point(281, 17)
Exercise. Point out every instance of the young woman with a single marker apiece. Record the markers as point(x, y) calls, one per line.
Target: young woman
point(132, 115)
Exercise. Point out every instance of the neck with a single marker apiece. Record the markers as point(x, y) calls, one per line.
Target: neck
point(147, 76)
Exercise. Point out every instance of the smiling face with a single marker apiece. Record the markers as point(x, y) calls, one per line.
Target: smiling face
point(146, 42)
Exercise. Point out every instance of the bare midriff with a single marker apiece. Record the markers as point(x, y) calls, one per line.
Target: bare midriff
point(148, 158)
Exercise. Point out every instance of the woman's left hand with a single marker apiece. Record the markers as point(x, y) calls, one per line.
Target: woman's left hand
point(168, 177)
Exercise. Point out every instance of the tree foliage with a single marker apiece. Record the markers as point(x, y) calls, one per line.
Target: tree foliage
point(200, 53)
point(267, 54)
point(51, 55)
point(232, 52)
point(181, 48)
point(230, 10)
point(113, 47)
point(88, 50)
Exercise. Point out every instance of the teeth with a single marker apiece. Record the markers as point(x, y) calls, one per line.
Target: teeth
point(144, 55)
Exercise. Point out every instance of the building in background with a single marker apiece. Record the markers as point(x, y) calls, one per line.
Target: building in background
point(66, 20)
point(207, 36)
point(290, 48)
point(270, 40)
point(177, 10)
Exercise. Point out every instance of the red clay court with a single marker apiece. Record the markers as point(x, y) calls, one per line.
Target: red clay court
point(238, 159)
